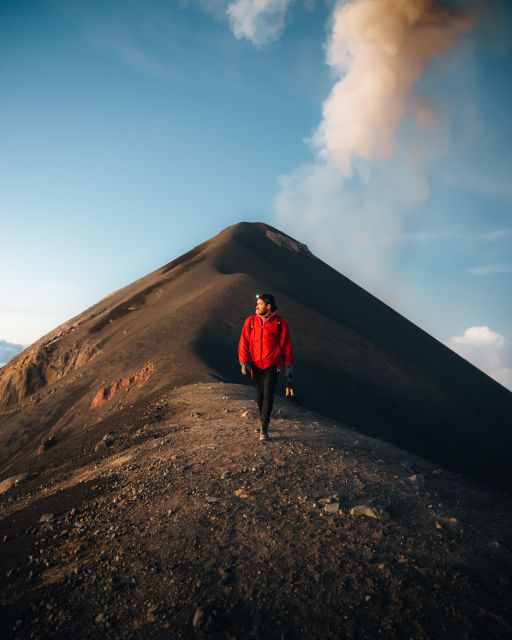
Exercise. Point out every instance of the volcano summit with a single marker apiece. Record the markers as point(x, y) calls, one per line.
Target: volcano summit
point(358, 361)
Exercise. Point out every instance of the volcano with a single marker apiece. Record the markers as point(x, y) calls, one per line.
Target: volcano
point(357, 360)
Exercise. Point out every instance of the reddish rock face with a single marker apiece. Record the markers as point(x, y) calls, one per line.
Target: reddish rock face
point(139, 379)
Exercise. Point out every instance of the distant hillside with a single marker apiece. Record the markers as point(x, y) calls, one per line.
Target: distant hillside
point(8, 350)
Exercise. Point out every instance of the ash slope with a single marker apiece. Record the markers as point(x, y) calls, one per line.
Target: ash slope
point(185, 526)
point(357, 360)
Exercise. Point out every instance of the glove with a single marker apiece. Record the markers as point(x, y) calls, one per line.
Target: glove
point(288, 371)
point(246, 369)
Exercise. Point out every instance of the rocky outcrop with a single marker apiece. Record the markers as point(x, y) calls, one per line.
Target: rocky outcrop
point(41, 365)
point(138, 379)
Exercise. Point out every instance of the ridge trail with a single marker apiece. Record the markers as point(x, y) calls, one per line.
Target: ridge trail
point(171, 520)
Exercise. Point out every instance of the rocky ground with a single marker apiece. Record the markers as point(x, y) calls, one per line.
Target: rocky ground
point(171, 520)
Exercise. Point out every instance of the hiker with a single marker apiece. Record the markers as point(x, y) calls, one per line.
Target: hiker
point(264, 348)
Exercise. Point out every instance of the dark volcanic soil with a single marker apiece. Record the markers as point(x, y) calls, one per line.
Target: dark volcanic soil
point(181, 524)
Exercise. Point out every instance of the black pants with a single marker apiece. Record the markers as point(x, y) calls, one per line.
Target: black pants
point(265, 381)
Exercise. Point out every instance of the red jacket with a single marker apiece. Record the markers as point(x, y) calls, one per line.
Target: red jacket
point(265, 341)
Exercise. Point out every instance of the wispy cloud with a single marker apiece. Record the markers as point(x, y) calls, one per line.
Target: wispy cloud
point(131, 55)
point(260, 21)
point(491, 269)
point(422, 237)
point(487, 350)
point(498, 234)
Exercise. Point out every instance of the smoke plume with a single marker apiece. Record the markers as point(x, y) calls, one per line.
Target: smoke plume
point(370, 174)
point(378, 49)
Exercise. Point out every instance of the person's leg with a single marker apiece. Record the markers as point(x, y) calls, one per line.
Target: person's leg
point(269, 385)
point(258, 377)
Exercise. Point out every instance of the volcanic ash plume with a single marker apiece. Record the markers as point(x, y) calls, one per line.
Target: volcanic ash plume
point(379, 49)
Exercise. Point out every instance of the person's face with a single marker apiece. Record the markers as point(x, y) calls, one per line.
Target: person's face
point(262, 307)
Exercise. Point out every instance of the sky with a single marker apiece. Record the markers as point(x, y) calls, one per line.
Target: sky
point(377, 132)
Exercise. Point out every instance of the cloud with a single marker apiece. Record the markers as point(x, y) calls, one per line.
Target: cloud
point(260, 21)
point(491, 269)
point(132, 56)
point(214, 8)
point(498, 234)
point(8, 350)
point(487, 350)
point(350, 223)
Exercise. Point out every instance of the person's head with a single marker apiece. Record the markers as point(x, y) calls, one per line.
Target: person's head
point(265, 304)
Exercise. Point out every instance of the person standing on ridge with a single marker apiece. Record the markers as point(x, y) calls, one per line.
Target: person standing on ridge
point(264, 347)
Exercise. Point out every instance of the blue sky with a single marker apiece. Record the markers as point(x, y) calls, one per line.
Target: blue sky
point(131, 131)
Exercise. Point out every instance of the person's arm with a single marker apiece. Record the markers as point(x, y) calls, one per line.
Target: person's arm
point(244, 354)
point(285, 344)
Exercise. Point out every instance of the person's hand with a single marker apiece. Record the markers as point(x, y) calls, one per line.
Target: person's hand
point(288, 371)
point(246, 369)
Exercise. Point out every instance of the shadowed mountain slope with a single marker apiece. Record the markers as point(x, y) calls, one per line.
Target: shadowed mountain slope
point(357, 360)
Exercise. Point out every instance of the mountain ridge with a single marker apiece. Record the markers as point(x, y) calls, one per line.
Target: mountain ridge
point(358, 360)
point(170, 519)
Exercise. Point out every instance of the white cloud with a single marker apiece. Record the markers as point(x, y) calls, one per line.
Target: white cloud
point(487, 350)
point(260, 21)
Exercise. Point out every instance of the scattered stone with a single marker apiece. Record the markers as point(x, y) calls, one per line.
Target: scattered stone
point(100, 618)
point(206, 619)
point(245, 414)
point(417, 480)
point(46, 443)
point(242, 493)
point(150, 615)
point(105, 443)
point(332, 507)
point(6, 484)
point(46, 517)
point(226, 574)
point(212, 499)
point(444, 522)
point(365, 510)
point(225, 475)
